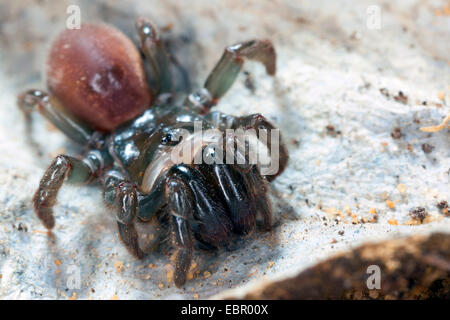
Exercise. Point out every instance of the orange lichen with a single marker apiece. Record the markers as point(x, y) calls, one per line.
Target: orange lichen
point(438, 127)
point(169, 273)
point(119, 266)
point(390, 204)
point(333, 211)
point(401, 188)
point(73, 297)
point(445, 11)
point(393, 222)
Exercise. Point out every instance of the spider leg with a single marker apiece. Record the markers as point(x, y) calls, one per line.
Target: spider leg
point(235, 189)
point(243, 186)
point(214, 226)
point(189, 192)
point(150, 204)
point(67, 168)
point(55, 113)
point(122, 196)
point(129, 236)
point(227, 69)
point(272, 138)
point(156, 54)
point(245, 191)
point(259, 189)
point(180, 206)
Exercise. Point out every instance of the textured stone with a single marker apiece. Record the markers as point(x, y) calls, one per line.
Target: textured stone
point(341, 89)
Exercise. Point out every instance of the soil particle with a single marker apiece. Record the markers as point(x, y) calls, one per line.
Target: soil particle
point(331, 131)
point(443, 207)
point(396, 133)
point(401, 97)
point(427, 148)
point(418, 214)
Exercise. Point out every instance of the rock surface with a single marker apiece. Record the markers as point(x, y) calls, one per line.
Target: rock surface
point(349, 98)
point(415, 267)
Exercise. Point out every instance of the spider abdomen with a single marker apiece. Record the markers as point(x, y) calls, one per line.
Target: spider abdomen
point(97, 74)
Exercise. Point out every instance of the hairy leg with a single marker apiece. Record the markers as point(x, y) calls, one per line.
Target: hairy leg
point(181, 206)
point(195, 205)
point(150, 204)
point(156, 54)
point(259, 189)
point(227, 69)
point(122, 196)
point(55, 113)
point(213, 224)
point(67, 168)
point(236, 194)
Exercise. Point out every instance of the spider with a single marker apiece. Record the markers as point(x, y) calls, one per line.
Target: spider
point(101, 98)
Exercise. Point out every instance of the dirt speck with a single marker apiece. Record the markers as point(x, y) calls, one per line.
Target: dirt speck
point(119, 266)
point(390, 204)
point(401, 97)
point(385, 92)
point(418, 214)
point(401, 188)
point(443, 207)
point(249, 82)
point(427, 148)
point(332, 131)
point(393, 222)
point(73, 297)
point(396, 133)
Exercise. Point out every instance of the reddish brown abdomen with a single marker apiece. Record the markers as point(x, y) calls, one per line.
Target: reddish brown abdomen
point(96, 72)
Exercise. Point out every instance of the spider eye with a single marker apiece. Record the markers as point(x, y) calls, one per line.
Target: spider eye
point(170, 139)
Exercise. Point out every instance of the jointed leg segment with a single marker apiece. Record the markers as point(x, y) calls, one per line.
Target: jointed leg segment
point(232, 60)
point(191, 199)
point(55, 113)
point(156, 54)
point(227, 69)
point(181, 207)
point(122, 196)
point(63, 167)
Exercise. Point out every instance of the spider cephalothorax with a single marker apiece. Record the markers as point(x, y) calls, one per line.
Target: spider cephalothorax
point(144, 150)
